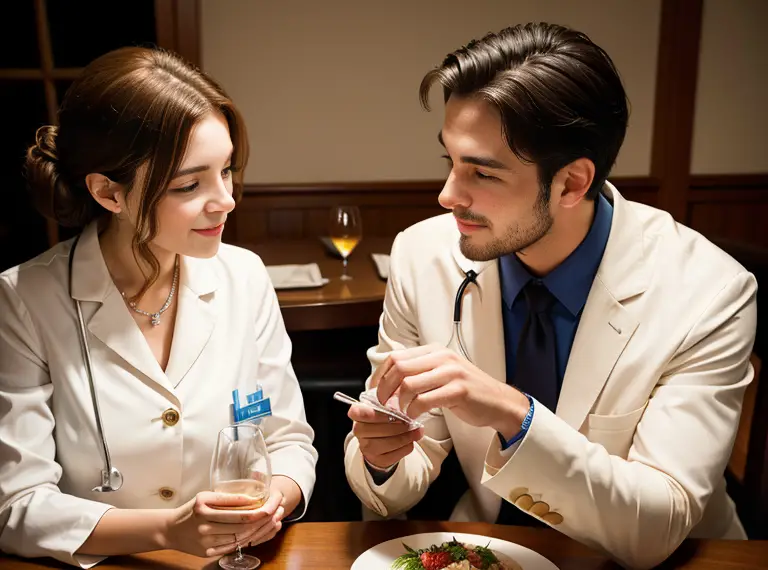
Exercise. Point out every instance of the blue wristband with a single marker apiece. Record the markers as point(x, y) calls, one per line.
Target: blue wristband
point(523, 428)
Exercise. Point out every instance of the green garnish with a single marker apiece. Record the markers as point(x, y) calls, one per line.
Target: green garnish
point(487, 555)
point(411, 560)
point(408, 561)
point(455, 549)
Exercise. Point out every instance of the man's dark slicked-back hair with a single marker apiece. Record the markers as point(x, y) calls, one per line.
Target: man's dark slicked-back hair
point(559, 95)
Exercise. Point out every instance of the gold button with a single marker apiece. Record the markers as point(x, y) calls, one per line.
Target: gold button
point(166, 493)
point(525, 502)
point(170, 417)
point(539, 508)
point(552, 518)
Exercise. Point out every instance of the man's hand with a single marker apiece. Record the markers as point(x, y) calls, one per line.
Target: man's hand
point(382, 443)
point(419, 379)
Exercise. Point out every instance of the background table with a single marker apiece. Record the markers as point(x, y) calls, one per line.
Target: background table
point(332, 546)
point(338, 304)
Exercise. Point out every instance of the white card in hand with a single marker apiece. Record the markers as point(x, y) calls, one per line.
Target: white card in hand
point(371, 402)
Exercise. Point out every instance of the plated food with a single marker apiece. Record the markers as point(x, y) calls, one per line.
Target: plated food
point(405, 553)
point(453, 555)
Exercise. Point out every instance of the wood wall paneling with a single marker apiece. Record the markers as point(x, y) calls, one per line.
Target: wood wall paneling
point(727, 206)
point(188, 30)
point(734, 207)
point(165, 23)
point(677, 71)
point(302, 211)
point(178, 27)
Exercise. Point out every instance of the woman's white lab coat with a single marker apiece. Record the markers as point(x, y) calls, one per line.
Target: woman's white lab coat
point(229, 334)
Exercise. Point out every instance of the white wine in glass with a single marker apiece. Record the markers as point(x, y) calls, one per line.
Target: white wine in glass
point(255, 488)
point(346, 231)
point(241, 466)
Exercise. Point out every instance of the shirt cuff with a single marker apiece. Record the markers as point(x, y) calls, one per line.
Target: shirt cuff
point(380, 476)
point(506, 454)
point(507, 445)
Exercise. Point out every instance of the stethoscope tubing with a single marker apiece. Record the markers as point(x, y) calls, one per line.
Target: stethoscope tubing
point(471, 277)
point(107, 474)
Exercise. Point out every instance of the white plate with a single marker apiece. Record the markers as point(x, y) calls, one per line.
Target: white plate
point(381, 556)
point(296, 276)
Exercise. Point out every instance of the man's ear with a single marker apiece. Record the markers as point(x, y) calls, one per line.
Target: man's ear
point(573, 182)
point(107, 193)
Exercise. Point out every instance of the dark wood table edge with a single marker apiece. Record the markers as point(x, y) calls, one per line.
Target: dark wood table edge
point(564, 552)
point(335, 315)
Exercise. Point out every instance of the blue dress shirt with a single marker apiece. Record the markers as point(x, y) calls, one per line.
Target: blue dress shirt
point(569, 283)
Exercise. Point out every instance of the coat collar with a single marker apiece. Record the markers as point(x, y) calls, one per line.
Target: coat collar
point(91, 280)
point(110, 321)
point(624, 269)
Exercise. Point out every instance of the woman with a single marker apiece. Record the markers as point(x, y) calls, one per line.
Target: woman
point(148, 158)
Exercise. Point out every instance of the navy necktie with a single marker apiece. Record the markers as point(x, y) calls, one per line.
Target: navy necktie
point(535, 360)
point(535, 371)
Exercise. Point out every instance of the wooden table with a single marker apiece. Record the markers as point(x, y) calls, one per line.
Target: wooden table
point(339, 304)
point(326, 546)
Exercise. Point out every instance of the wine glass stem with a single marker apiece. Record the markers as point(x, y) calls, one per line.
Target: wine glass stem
point(345, 267)
point(239, 555)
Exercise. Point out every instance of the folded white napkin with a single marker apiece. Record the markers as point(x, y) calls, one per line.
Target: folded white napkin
point(296, 276)
point(382, 264)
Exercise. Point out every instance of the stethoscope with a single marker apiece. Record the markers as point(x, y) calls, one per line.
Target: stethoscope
point(111, 478)
point(471, 277)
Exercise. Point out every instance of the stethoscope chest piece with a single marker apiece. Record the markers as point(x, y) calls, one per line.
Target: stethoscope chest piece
point(111, 480)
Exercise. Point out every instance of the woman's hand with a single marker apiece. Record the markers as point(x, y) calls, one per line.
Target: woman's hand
point(284, 497)
point(208, 526)
point(268, 527)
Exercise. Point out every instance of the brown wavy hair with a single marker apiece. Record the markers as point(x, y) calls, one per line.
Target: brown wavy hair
point(130, 108)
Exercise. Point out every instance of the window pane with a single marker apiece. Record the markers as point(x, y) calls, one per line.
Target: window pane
point(18, 48)
point(22, 229)
point(82, 31)
point(61, 88)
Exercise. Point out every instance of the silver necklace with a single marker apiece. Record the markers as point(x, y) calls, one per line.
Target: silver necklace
point(156, 316)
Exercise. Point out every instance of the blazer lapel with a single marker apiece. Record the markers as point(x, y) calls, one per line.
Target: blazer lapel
point(604, 330)
point(110, 322)
point(113, 325)
point(606, 326)
point(195, 318)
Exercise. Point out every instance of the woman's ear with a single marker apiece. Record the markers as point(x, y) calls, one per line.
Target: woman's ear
point(107, 193)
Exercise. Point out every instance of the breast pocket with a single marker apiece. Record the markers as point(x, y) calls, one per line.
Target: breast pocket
point(614, 432)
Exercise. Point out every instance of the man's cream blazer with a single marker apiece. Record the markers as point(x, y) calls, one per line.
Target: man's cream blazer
point(632, 461)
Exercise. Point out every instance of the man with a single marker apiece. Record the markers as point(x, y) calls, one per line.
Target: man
point(607, 346)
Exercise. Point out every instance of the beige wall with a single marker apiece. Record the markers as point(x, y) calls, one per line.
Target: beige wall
point(730, 132)
point(329, 89)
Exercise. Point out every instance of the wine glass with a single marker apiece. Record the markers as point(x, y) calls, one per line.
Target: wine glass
point(241, 466)
point(346, 232)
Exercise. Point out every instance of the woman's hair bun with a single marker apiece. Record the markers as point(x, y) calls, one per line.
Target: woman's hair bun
point(45, 142)
point(52, 196)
